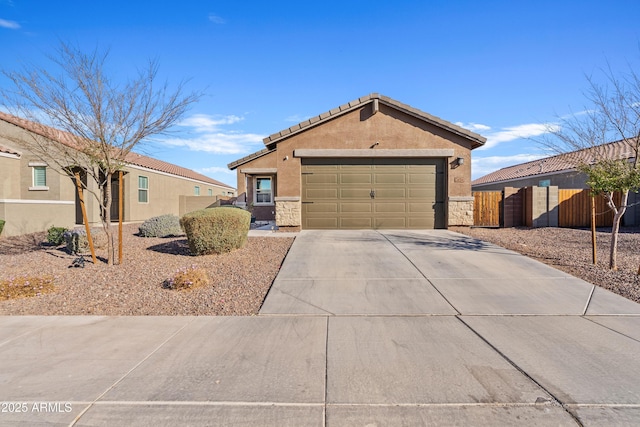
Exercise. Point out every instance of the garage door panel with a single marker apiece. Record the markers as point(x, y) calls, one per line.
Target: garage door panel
point(356, 208)
point(355, 193)
point(322, 178)
point(422, 178)
point(390, 193)
point(320, 223)
point(420, 208)
point(387, 178)
point(321, 193)
point(356, 222)
point(321, 207)
point(355, 178)
point(409, 193)
point(422, 194)
point(390, 222)
point(421, 222)
point(394, 208)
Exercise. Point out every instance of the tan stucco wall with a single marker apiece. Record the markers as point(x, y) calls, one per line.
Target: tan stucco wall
point(163, 195)
point(360, 130)
point(9, 178)
point(22, 218)
point(56, 205)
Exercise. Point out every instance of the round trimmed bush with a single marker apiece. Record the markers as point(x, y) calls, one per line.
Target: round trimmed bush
point(161, 226)
point(216, 230)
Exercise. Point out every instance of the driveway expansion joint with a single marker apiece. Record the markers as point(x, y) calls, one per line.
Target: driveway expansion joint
point(554, 398)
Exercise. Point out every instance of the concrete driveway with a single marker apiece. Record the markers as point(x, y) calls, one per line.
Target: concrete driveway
point(359, 328)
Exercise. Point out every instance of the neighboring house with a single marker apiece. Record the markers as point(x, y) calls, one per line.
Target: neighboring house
point(560, 171)
point(35, 196)
point(371, 163)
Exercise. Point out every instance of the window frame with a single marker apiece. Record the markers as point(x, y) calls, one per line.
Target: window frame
point(255, 191)
point(34, 184)
point(196, 190)
point(145, 190)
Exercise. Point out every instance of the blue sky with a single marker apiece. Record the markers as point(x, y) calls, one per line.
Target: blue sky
point(501, 68)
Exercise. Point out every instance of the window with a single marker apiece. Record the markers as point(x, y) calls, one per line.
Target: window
point(263, 194)
point(210, 192)
point(38, 176)
point(196, 190)
point(143, 189)
point(544, 183)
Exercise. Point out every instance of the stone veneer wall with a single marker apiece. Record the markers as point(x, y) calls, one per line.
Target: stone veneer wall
point(460, 211)
point(288, 211)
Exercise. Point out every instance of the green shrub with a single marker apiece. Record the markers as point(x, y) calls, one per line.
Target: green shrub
point(77, 242)
point(1, 225)
point(161, 226)
point(55, 235)
point(216, 230)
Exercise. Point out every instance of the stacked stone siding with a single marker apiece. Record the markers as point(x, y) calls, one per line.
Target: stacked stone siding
point(461, 211)
point(288, 211)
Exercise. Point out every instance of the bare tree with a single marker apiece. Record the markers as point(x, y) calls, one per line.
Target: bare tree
point(612, 114)
point(102, 120)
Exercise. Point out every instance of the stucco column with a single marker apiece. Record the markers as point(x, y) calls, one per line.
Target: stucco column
point(288, 211)
point(460, 210)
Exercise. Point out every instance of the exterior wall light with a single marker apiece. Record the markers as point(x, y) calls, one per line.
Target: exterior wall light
point(460, 161)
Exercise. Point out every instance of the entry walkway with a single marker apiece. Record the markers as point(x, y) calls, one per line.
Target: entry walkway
point(359, 328)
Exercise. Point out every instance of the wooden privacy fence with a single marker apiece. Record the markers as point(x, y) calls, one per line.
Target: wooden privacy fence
point(486, 208)
point(514, 207)
point(574, 209)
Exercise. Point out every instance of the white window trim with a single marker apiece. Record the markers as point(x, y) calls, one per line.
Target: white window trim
point(33, 166)
point(145, 189)
point(255, 191)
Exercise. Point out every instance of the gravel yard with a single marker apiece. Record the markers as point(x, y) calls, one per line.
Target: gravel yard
point(569, 250)
point(240, 279)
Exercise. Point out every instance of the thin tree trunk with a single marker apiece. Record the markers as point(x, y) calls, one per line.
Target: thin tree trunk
point(106, 220)
point(613, 252)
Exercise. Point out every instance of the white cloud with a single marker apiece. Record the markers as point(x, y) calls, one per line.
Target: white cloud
point(206, 123)
point(474, 127)
point(204, 133)
point(481, 166)
point(512, 133)
point(216, 19)
point(12, 25)
point(217, 169)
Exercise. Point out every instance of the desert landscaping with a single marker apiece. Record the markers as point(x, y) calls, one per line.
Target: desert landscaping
point(240, 280)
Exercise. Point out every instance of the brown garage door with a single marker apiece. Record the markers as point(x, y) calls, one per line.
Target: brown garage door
point(373, 193)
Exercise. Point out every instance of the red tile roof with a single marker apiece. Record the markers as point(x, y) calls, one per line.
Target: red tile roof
point(131, 158)
point(8, 150)
point(561, 162)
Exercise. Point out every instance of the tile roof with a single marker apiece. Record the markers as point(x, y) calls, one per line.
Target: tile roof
point(272, 140)
point(250, 157)
point(476, 139)
point(561, 162)
point(131, 158)
point(8, 150)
